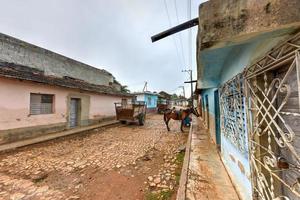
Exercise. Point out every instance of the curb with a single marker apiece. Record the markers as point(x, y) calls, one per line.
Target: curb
point(181, 192)
point(52, 136)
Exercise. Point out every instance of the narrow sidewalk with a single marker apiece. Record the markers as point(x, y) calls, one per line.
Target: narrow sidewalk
point(207, 176)
point(51, 136)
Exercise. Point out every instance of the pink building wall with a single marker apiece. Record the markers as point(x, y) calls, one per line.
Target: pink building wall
point(15, 104)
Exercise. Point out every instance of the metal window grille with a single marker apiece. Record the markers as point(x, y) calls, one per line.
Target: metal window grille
point(232, 112)
point(272, 88)
point(41, 104)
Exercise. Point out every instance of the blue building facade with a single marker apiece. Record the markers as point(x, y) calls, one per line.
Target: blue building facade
point(149, 98)
point(228, 103)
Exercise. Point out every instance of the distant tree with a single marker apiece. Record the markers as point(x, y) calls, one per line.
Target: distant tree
point(165, 95)
point(174, 96)
point(124, 88)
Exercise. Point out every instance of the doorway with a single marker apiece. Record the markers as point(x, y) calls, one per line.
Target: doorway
point(74, 116)
point(217, 118)
point(207, 111)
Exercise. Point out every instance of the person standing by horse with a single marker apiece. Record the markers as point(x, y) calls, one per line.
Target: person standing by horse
point(182, 114)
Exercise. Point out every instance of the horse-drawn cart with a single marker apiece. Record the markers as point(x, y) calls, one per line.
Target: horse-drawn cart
point(135, 111)
point(161, 107)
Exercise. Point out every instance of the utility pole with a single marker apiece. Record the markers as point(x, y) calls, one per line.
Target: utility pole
point(145, 87)
point(183, 90)
point(190, 72)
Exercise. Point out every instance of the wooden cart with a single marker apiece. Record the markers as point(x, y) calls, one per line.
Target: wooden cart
point(133, 112)
point(161, 108)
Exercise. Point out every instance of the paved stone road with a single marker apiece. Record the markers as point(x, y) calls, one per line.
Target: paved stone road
point(53, 170)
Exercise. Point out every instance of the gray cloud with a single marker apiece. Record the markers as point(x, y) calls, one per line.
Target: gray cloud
point(114, 35)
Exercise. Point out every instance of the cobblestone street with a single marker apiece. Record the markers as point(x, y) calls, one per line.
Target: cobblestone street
point(122, 162)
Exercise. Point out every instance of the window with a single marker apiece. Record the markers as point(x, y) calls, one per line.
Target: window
point(41, 104)
point(149, 101)
point(233, 117)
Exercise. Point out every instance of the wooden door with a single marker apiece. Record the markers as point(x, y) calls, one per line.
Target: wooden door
point(74, 112)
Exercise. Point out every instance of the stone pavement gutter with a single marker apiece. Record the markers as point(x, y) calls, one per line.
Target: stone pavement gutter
point(181, 193)
point(52, 136)
point(204, 176)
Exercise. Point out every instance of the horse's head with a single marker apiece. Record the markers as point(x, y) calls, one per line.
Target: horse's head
point(194, 111)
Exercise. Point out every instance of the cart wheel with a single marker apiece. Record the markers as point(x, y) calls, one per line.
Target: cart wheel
point(141, 119)
point(123, 122)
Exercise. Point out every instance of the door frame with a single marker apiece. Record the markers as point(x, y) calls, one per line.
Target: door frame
point(217, 119)
point(78, 123)
point(207, 110)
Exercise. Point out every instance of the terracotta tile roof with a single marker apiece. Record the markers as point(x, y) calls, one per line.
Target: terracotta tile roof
point(11, 70)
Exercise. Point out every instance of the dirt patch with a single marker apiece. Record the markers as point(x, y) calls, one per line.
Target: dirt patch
point(113, 186)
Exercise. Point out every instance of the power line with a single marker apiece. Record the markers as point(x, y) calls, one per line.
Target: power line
point(170, 25)
point(189, 15)
point(180, 34)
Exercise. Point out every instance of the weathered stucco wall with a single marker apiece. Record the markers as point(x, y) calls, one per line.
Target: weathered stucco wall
point(237, 163)
point(19, 52)
point(103, 106)
point(16, 122)
point(232, 35)
point(15, 104)
point(222, 19)
point(210, 113)
point(218, 64)
point(238, 167)
point(227, 27)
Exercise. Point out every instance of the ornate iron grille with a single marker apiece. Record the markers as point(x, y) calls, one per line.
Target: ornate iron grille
point(272, 89)
point(233, 112)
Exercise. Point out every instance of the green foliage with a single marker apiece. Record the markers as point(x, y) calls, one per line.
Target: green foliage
point(163, 195)
point(124, 88)
point(174, 96)
point(179, 160)
point(180, 157)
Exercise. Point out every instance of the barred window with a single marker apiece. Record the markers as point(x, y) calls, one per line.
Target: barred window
point(233, 117)
point(41, 104)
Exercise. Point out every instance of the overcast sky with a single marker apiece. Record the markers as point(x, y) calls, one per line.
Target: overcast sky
point(109, 34)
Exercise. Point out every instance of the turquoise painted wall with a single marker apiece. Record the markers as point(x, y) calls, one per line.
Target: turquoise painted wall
point(144, 97)
point(153, 102)
point(210, 93)
point(211, 109)
point(241, 178)
point(220, 65)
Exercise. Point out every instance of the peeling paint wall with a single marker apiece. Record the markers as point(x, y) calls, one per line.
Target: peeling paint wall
point(238, 167)
point(210, 113)
point(233, 34)
point(238, 57)
point(237, 163)
point(217, 65)
point(220, 19)
point(224, 24)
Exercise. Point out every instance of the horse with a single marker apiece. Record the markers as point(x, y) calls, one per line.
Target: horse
point(178, 115)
